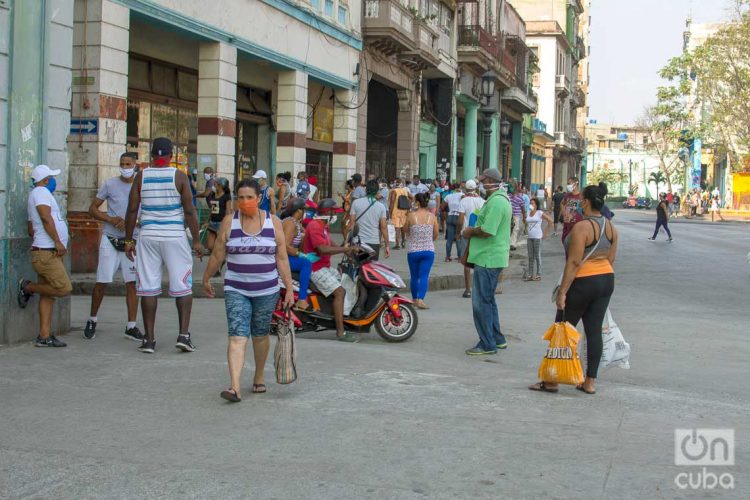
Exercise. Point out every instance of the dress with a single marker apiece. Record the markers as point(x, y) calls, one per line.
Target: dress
point(398, 216)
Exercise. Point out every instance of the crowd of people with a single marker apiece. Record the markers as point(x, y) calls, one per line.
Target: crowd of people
point(263, 233)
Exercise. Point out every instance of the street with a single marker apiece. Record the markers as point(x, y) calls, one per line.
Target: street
point(413, 420)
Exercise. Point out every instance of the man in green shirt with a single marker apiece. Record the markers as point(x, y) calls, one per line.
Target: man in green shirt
point(489, 251)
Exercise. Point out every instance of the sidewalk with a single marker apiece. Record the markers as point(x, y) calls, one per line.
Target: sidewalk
point(444, 275)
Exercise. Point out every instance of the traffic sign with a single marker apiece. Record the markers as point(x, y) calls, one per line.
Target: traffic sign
point(84, 126)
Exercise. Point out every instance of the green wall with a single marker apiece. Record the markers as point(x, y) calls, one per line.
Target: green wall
point(427, 150)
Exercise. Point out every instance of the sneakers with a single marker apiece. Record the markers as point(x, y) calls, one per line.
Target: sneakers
point(348, 337)
point(479, 351)
point(50, 341)
point(652, 239)
point(503, 345)
point(670, 240)
point(134, 334)
point(89, 332)
point(23, 296)
point(147, 347)
point(184, 344)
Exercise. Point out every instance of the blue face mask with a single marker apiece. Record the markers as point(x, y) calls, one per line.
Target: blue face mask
point(51, 185)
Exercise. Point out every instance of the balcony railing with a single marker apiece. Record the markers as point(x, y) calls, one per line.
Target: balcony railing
point(562, 84)
point(538, 125)
point(444, 42)
point(476, 36)
point(560, 139)
point(581, 47)
point(389, 21)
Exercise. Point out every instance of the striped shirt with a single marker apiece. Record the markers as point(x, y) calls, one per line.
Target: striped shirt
point(162, 216)
point(251, 260)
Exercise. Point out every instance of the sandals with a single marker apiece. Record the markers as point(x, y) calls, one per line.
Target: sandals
point(542, 387)
point(231, 396)
point(467, 294)
point(537, 278)
point(582, 389)
point(259, 388)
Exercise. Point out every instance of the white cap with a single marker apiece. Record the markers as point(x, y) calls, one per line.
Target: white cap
point(260, 174)
point(41, 172)
point(471, 185)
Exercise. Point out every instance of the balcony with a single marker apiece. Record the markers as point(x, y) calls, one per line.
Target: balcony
point(478, 48)
point(581, 46)
point(561, 139)
point(578, 98)
point(562, 85)
point(425, 53)
point(576, 141)
point(520, 100)
point(388, 26)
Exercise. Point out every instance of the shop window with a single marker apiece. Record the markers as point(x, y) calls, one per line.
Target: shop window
point(328, 8)
point(343, 13)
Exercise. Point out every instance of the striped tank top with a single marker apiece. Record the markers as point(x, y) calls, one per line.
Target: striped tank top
point(298, 234)
point(162, 216)
point(251, 260)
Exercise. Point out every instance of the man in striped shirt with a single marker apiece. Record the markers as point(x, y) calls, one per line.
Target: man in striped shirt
point(162, 194)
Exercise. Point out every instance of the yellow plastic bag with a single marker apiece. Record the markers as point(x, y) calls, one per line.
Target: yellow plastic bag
point(561, 363)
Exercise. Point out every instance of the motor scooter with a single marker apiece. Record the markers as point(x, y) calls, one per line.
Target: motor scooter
point(378, 302)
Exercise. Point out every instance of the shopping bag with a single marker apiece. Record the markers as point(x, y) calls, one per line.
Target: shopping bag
point(391, 232)
point(351, 294)
point(285, 353)
point(616, 351)
point(561, 363)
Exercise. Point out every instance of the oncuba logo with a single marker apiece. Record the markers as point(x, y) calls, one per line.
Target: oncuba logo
point(559, 353)
point(704, 447)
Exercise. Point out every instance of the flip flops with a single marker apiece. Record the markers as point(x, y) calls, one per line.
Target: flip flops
point(230, 396)
point(542, 387)
point(582, 389)
point(259, 388)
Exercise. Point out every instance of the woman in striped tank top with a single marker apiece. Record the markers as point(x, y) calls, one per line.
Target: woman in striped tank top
point(253, 243)
point(294, 233)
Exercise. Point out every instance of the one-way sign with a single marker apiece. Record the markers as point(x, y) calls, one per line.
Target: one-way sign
point(84, 126)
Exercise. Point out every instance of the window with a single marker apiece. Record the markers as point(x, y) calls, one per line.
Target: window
point(328, 8)
point(342, 15)
point(315, 5)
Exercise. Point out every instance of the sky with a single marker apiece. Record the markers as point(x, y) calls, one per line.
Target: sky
point(630, 41)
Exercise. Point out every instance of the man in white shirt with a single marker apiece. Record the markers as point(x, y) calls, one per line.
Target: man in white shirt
point(417, 186)
point(451, 226)
point(469, 204)
point(49, 232)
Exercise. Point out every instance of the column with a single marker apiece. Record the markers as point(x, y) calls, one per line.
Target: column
point(407, 135)
point(361, 136)
point(98, 119)
point(494, 145)
point(516, 139)
point(291, 124)
point(345, 124)
point(470, 140)
point(217, 107)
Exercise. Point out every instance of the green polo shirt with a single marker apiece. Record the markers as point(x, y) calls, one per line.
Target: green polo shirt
point(494, 219)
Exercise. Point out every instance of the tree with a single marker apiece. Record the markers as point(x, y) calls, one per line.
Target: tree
point(606, 174)
point(666, 123)
point(658, 178)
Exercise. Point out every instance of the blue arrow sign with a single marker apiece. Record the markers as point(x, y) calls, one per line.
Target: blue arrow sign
point(84, 126)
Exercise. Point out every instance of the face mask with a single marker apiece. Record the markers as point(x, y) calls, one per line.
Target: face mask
point(571, 187)
point(51, 185)
point(127, 173)
point(248, 207)
point(207, 177)
point(328, 219)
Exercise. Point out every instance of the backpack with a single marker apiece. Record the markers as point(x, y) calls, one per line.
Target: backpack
point(403, 202)
point(303, 189)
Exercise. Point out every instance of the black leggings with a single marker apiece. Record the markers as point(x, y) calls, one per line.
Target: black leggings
point(588, 299)
point(662, 223)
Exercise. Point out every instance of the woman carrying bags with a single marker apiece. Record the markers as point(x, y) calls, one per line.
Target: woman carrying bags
point(294, 234)
point(588, 280)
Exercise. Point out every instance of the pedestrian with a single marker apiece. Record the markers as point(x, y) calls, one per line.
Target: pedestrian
point(218, 203)
point(519, 213)
point(283, 190)
point(422, 230)
point(302, 188)
point(534, 242)
point(267, 201)
point(399, 203)
point(49, 234)
point(662, 218)
point(588, 281)
point(346, 204)
point(162, 195)
point(570, 208)
point(253, 243)
point(489, 251)
point(417, 186)
point(294, 235)
point(384, 193)
point(314, 195)
point(670, 203)
point(434, 202)
point(715, 210)
point(468, 210)
point(115, 192)
point(452, 234)
point(676, 205)
point(370, 216)
point(541, 197)
point(359, 188)
point(557, 199)
point(208, 176)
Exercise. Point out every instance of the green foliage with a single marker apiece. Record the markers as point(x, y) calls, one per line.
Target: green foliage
point(605, 174)
point(657, 178)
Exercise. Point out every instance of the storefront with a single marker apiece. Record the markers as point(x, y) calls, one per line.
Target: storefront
point(254, 136)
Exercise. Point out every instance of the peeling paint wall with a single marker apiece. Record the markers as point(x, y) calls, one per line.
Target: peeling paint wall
point(35, 76)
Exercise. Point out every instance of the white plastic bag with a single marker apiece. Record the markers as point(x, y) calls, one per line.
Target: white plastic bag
point(391, 233)
point(616, 351)
point(350, 287)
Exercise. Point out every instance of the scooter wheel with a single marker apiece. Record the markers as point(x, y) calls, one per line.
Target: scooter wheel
point(401, 331)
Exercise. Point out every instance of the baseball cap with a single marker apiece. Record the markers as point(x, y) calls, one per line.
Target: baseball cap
point(260, 174)
point(471, 185)
point(41, 172)
point(161, 147)
point(492, 173)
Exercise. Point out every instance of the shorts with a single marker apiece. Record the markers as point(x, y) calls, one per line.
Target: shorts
point(398, 218)
point(326, 280)
point(110, 261)
point(175, 255)
point(249, 316)
point(51, 270)
point(214, 226)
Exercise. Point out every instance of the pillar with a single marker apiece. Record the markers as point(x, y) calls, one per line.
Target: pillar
point(407, 135)
point(470, 140)
point(516, 139)
point(291, 124)
point(345, 124)
point(98, 119)
point(361, 135)
point(217, 107)
point(495, 144)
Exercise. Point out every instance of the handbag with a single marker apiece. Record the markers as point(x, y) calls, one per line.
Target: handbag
point(118, 243)
point(285, 353)
point(556, 290)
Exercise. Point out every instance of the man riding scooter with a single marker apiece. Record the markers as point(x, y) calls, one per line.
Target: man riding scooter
point(326, 279)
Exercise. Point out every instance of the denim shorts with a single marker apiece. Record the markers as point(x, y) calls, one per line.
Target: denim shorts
point(249, 316)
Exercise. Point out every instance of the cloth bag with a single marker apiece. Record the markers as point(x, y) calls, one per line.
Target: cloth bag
point(285, 353)
point(616, 351)
point(561, 363)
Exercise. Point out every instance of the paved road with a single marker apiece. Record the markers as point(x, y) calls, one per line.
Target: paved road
point(413, 420)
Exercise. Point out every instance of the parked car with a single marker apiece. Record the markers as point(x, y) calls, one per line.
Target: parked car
point(639, 202)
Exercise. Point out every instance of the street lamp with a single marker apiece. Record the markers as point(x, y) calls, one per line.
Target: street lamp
point(488, 92)
point(504, 133)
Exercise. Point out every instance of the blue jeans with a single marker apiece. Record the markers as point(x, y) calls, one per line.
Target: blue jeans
point(249, 316)
point(304, 268)
point(484, 307)
point(420, 264)
point(450, 235)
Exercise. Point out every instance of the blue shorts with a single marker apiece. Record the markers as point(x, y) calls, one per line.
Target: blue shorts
point(249, 316)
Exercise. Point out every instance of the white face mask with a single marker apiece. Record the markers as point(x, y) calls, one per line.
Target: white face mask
point(328, 219)
point(571, 187)
point(207, 177)
point(127, 173)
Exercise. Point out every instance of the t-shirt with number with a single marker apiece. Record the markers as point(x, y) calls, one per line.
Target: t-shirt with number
point(115, 192)
point(218, 206)
point(41, 196)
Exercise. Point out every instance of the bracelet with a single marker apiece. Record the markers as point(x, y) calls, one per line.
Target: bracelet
point(128, 242)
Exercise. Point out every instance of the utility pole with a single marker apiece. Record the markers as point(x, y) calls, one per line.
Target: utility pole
point(630, 175)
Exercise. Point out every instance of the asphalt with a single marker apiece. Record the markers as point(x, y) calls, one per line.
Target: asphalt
point(412, 420)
